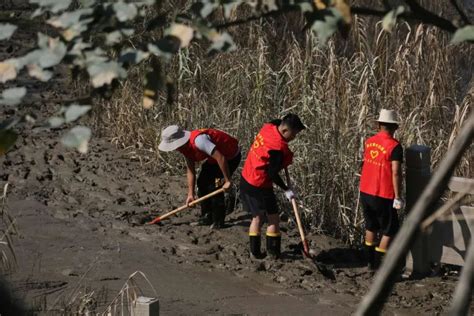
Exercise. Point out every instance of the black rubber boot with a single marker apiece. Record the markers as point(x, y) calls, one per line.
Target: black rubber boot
point(255, 247)
point(206, 206)
point(218, 211)
point(274, 245)
point(230, 201)
point(369, 254)
point(379, 254)
point(206, 214)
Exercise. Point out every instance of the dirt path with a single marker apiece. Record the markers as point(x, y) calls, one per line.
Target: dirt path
point(58, 256)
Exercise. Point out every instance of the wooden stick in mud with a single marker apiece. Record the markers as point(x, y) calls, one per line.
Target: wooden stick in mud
point(298, 219)
point(203, 198)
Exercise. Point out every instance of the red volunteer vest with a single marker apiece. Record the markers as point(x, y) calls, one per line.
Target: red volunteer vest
point(269, 138)
point(376, 178)
point(225, 144)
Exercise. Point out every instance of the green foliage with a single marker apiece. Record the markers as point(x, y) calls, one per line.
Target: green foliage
point(390, 19)
point(13, 96)
point(465, 34)
point(94, 39)
point(78, 137)
point(327, 24)
point(7, 139)
point(6, 30)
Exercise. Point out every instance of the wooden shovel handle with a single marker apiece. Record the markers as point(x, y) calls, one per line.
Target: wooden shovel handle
point(297, 216)
point(203, 198)
point(298, 221)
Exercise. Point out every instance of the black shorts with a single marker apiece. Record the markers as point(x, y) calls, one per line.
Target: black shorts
point(206, 181)
point(257, 201)
point(379, 214)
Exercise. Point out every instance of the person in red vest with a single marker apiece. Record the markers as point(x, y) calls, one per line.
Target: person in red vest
point(268, 155)
point(380, 187)
point(222, 156)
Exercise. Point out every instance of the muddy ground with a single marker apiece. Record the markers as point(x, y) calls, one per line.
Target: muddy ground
point(81, 236)
point(81, 233)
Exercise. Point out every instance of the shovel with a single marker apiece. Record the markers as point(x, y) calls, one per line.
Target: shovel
point(300, 229)
point(325, 271)
point(181, 208)
point(298, 220)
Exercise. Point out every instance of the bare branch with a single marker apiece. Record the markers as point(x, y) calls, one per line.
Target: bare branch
point(461, 12)
point(418, 14)
point(428, 17)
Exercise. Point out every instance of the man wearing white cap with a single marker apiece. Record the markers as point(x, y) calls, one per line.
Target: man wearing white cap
point(380, 187)
point(222, 156)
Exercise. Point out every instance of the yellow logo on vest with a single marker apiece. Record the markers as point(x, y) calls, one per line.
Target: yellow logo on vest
point(374, 153)
point(376, 146)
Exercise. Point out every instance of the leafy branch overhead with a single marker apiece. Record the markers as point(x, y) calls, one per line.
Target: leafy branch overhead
point(93, 38)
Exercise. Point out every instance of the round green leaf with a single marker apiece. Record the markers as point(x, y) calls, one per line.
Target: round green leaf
point(7, 140)
point(75, 111)
point(465, 34)
point(13, 96)
point(125, 11)
point(78, 137)
point(103, 73)
point(390, 19)
point(55, 122)
point(6, 30)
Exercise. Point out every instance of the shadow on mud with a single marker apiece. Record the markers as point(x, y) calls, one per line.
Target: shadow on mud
point(342, 258)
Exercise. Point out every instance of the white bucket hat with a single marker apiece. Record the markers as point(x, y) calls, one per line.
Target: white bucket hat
point(388, 116)
point(173, 137)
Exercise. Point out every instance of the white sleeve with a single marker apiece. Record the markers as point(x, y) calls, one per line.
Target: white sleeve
point(203, 143)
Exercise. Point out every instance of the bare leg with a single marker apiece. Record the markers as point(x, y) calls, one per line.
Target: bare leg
point(370, 237)
point(385, 242)
point(256, 224)
point(273, 224)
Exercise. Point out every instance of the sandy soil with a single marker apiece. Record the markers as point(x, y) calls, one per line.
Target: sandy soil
point(81, 235)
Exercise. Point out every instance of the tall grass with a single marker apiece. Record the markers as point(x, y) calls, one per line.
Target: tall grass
point(337, 89)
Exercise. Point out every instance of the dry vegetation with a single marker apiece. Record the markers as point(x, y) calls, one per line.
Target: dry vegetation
point(337, 89)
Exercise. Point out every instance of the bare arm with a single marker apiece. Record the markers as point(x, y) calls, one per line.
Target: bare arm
point(191, 177)
point(397, 178)
point(222, 162)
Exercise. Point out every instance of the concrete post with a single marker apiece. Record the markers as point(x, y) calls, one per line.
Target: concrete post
point(418, 173)
point(146, 306)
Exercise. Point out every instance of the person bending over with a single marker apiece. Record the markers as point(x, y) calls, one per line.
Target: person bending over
point(221, 155)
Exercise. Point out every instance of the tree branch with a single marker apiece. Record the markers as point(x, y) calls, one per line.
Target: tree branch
point(460, 11)
point(417, 14)
point(257, 17)
point(428, 17)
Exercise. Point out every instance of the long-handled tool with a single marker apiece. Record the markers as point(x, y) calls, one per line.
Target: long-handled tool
point(325, 270)
point(300, 229)
point(298, 219)
point(181, 208)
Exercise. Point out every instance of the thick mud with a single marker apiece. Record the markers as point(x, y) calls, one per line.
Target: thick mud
point(81, 219)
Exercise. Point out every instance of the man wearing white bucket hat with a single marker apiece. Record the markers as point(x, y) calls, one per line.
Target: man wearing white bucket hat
point(222, 156)
point(380, 187)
